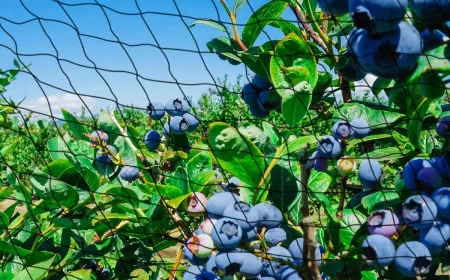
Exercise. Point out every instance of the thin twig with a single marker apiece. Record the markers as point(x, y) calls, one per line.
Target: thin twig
point(340, 209)
point(324, 26)
point(237, 38)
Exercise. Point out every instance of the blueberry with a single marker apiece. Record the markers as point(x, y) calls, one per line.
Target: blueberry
point(222, 57)
point(383, 222)
point(230, 262)
point(156, 111)
point(442, 164)
point(429, 178)
point(328, 147)
point(198, 231)
point(251, 265)
point(233, 184)
point(198, 273)
point(269, 215)
point(431, 12)
point(370, 174)
point(288, 273)
point(261, 83)
point(351, 70)
point(360, 128)
point(334, 7)
point(441, 198)
point(411, 170)
point(211, 264)
point(257, 112)
point(413, 259)
point(378, 250)
point(152, 139)
point(178, 125)
point(274, 236)
point(218, 202)
point(166, 130)
point(443, 127)
point(98, 135)
point(346, 165)
point(296, 249)
point(342, 130)
point(207, 225)
point(431, 39)
point(245, 214)
point(250, 235)
point(106, 158)
point(177, 107)
point(106, 273)
point(196, 204)
point(273, 268)
point(129, 173)
point(233, 61)
point(321, 164)
point(376, 16)
point(227, 233)
point(419, 211)
point(201, 245)
point(269, 100)
point(266, 278)
point(397, 50)
point(90, 264)
point(250, 94)
point(436, 237)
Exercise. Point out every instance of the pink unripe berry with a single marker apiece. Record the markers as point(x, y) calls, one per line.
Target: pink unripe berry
point(196, 204)
point(201, 245)
point(207, 225)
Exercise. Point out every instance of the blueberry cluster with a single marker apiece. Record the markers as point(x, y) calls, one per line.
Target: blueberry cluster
point(329, 147)
point(220, 245)
point(427, 211)
point(381, 42)
point(261, 97)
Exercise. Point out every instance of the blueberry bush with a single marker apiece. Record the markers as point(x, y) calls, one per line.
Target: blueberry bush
point(273, 179)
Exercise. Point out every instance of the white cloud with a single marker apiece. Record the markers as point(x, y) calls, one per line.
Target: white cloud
point(69, 102)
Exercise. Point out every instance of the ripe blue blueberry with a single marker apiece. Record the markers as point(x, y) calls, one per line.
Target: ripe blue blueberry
point(106, 158)
point(230, 262)
point(178, 125)
point(328, 147)
point(211, 264)
point(436, 237)
point(251, 265)
point(245, 214)
point(106, 273)
point(351, 70)
point(98, 135)
point(413, 259)
point(152, 139)
point(360, 128)
point(342, 130)
point(378, 250)
point(129, 173)
point(441, 197)
point(233, 184)
point(411, 170)
point(269, 100)
point(257, 112)
point(429, 178)
point(320, 164)
point(273, 268)
point(431, 12)
point(274, 236)
point(377, 17)
point(226, 233)
point(166, 131)
point(269, 215)
point(192, 121)
point(296, 250)
point(218, 202)
point(221, 56)
point(233, 61)
point(156, 111)
point(288, 273)
point(419, 211)
point(442, 164)
point(383, 222)
point(250, 235)
point(397, 50)
point(334, 7)
point(250, 94)
point(261, 83)
point(198, 273)
point(443, 127)
point(370, 173)
point(177, 107)
point(431, 39)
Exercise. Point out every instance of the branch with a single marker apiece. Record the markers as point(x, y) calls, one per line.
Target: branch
point(310, 244)
point(345, 88)
point(177, 263)
point(236, 32)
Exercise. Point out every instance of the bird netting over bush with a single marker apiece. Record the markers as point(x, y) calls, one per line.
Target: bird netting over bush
point(322, 154)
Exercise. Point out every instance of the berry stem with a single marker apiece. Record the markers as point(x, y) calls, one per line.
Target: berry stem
point(340, 209)
point(232, 16)
point(177, 264)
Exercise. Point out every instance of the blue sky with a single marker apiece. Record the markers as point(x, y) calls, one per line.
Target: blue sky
point(39, 32)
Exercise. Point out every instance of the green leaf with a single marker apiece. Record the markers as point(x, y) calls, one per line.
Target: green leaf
point(428, 141)
point(297, 144)
point(174, 203)
point(286, 27)
point(212, 23)
point(319, 182)
point(5, 192)
point(418, 110)
point(344, 26)
point(6, 275)
point(149, 189)
point(381, 84)
point(435, 60)
point(293, 62)
point(397, 136)
point(8, 149)
point(271, 133)
point(236, 154)
point(81, 274)
point(75, 125)
point(350, 223)
point(285, 189)
point(116, 193)
point(125, 150)
point(36, 272)
point(374, 117)
point(380, 200)
point(201, 180)
point(106, 123)
point(389, 153)
point(295, 104)
point(54, 190)
point(260, 18)
point(4, 221)
point(56, 147)
point(225, 46)
point(80, 156)
point(369, 275)
point(199, 163)
point(238, 4)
